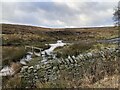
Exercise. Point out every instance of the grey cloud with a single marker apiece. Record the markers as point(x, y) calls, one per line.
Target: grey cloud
point(59, 15)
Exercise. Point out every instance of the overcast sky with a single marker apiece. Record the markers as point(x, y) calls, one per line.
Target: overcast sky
point(59, 14)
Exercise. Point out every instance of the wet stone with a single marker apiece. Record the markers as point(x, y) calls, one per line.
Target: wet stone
point(31, 67)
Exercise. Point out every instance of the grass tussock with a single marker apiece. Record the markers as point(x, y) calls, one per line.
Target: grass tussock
point(12, 54)
point(74, 49)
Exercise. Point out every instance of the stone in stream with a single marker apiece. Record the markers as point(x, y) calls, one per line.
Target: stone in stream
point(23, 62)
point(24, 67)
point(31, 67)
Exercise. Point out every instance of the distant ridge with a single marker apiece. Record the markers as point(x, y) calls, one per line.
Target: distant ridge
point(14, 34)
point(54, 28)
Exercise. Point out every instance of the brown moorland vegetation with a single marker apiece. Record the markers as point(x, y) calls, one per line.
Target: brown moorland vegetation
point(15, 37)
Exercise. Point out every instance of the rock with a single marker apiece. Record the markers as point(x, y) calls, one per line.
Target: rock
point(31, 67)
point(37, 67)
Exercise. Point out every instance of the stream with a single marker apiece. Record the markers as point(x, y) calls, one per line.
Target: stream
point(113, 40)
point(7, 70)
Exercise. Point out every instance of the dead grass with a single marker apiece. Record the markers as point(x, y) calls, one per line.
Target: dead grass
point(74, 49)
point(107, 82)
point(12, 82)
point(12, 54)
point(22, 35)
point(97, 74)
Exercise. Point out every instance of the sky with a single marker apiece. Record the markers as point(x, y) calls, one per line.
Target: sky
point(59, 13)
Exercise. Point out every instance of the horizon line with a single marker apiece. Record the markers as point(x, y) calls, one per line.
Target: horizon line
point(59, 27)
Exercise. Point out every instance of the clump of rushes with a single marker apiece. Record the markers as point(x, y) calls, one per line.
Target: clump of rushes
point(74, 49)
point(12, 54)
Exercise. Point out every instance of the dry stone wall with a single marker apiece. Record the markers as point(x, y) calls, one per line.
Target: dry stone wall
point(90, 63)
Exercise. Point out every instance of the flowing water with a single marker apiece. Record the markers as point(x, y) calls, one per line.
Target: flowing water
point(7, 70)
point(113, 40)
